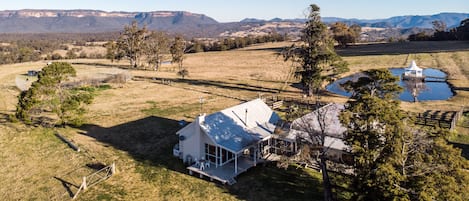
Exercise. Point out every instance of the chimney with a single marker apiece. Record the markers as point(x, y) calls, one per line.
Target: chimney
point(246, 118)
point(200, 119)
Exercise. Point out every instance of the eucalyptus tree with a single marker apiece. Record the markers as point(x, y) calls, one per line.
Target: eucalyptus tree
point(156, 45)
point(344, 34)
point(131, 42)
point(178, 49)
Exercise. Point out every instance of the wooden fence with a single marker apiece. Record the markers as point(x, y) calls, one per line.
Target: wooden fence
point(96, 177)
point(170, 82)
point(440, 119)
point(276, 102)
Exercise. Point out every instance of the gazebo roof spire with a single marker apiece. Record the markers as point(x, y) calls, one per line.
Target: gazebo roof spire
point(413, 66)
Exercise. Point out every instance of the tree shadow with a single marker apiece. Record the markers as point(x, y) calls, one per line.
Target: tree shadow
point(68, 186)
point(277, 50)
point(464, 149)
point(121, 66)
point(403, 48)
point(219, 84)
point(461, 88)
point(4, 117)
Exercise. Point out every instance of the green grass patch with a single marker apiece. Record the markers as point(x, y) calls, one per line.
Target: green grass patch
point(462, 136)
point(152, 173)
point(104, 196)
point(272, 183)
point(95, 89)
point(341, 185)
point(159, 109)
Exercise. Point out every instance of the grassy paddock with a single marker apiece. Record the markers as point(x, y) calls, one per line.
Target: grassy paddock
point(134, 123)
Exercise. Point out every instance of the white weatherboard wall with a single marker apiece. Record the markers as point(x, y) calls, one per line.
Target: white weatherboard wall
point(194, 140)
point(190, 146)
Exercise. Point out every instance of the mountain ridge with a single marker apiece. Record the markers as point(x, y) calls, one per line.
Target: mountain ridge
point(88, 13)
point(187, 23)
point(420, 21)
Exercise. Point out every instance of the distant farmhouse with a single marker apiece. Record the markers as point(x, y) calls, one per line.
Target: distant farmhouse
point(227, 143)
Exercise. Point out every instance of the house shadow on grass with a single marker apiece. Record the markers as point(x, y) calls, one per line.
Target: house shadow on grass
point(150, 140)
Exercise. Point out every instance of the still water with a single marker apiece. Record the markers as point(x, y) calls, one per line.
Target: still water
point(431, 89)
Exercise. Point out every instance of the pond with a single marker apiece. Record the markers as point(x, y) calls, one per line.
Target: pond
point(434, 87)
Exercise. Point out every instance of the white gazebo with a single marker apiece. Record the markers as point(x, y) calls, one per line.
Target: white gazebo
point(413, 71)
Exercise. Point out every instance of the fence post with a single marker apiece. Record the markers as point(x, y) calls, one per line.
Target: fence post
point(113, 168)
point(84, 184)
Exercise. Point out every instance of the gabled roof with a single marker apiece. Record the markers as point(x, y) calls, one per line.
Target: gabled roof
point(240, 126)
point(329, 115)
point(333, 128)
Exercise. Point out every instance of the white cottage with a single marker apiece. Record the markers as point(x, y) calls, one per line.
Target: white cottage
point(227, 143)
point(224, 144)
point(413, 71)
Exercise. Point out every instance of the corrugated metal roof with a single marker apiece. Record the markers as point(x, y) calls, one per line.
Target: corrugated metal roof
point(330, 117)
point(240, 126)
point(333, 128)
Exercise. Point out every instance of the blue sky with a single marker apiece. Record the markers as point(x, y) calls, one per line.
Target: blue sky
point(235, 10)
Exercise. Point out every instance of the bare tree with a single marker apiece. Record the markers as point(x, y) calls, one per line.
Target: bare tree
point(178, 49)
point(313, 136)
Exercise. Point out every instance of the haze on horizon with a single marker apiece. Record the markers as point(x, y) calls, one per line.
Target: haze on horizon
point(230, 11)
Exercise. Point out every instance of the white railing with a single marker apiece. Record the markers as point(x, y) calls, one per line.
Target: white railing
point(96, 177)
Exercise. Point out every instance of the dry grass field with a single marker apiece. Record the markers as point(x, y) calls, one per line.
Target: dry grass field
point(134, 125)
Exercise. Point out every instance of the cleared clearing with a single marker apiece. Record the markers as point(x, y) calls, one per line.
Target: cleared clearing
point(134, 123)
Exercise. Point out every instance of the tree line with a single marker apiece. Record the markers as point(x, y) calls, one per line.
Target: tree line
point(61, 38)
point(145, 49)
point(441, 32)
point(38, 49)
point(344, 34)
point(224, 44)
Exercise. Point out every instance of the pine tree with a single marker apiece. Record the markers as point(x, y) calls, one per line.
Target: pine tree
point(315, 57)
point(394, 160)
point(48, 95)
